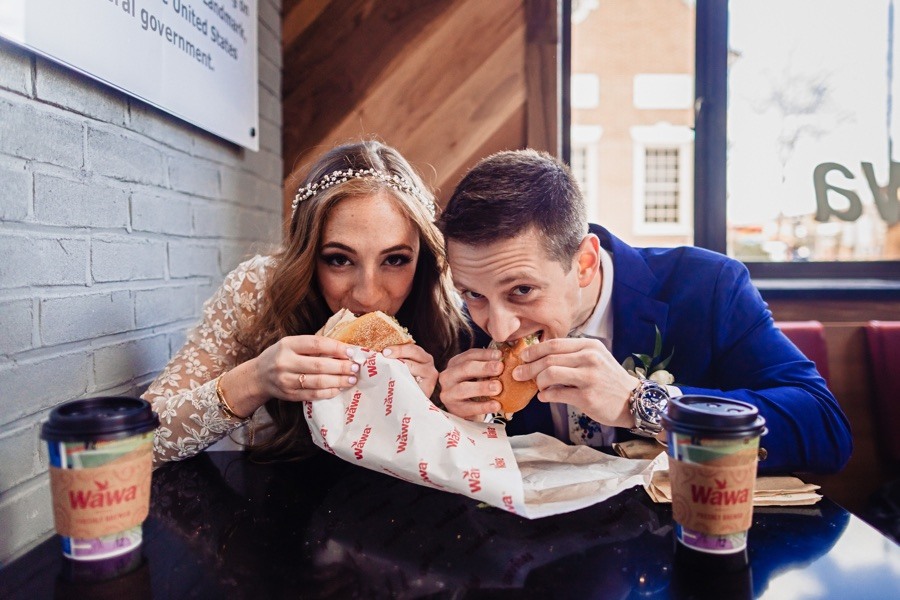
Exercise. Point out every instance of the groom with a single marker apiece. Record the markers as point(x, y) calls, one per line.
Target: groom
point(525, 260)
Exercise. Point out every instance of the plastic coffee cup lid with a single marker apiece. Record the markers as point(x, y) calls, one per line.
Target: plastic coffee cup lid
point(102, 418)
point(712, 416)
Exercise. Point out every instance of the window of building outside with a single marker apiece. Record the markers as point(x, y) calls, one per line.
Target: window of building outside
point(662, 166)
point(809, 170)
point(660, 198)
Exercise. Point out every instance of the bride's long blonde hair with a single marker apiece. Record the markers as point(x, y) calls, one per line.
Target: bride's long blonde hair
point(292, 302)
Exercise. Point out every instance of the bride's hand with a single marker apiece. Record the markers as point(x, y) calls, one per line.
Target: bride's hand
point(305, 367)
point(420, 363)
point(295, 368)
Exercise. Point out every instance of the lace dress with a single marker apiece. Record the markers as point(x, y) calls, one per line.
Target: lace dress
point(184, 394)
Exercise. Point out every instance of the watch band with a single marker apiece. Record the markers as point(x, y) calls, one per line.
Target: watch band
point(647, 403)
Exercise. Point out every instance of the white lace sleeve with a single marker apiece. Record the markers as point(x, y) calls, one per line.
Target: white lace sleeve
point(184, 394)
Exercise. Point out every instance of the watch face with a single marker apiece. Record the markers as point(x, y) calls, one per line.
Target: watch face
point(649, 403)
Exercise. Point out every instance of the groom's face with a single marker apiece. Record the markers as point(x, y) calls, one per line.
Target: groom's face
point(513, 288)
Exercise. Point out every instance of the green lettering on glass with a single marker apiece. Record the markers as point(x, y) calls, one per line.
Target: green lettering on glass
point(885, 198)
point(824, 210)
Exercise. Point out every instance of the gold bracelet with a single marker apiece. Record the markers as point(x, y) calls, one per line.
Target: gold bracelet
point(223, 403)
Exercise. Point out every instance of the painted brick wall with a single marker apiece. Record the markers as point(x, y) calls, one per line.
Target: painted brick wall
point(117, 221)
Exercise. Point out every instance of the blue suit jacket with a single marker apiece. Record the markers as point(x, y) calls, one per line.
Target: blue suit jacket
point(726, 344)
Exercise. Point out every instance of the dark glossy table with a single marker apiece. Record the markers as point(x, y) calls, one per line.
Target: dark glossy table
point(222, 526)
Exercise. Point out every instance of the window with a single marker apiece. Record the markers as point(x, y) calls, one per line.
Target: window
point(585, 165)
point(662, 180)
point(661, 192)
point(632, 74)
point(810, 128)
point(757, 128)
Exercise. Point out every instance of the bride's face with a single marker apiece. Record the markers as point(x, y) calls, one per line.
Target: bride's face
point(368, 255)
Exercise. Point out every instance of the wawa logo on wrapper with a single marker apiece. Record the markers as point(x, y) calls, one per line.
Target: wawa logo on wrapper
point(473, 476)
point(508, 503)
point(325, 445)
point(98, 501)
point(371, 367)
point(354, 406)
point(403, 436)
point(389, 399)
point(715, 499)
point(453, 438)
point(423, 473)
point(490, 432)
point(359, 444)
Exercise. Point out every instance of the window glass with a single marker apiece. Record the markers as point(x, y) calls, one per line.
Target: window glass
point(661, 192)
point(631, 137)
point(811, 123)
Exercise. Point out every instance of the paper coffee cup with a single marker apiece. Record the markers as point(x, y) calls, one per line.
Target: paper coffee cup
point(100, 467)
point(713, 446)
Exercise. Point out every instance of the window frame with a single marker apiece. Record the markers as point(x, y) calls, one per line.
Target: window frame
point(711, 104)
point(869, 278)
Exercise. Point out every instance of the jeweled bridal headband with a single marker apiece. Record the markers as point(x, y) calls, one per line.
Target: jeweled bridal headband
point(335, 177)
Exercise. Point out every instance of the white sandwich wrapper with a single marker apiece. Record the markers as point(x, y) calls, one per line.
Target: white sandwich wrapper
point(387, 424)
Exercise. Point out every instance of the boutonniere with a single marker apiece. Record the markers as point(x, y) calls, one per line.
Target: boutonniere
point(651, 366)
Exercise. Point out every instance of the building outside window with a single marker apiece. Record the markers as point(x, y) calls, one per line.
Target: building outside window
point(810, 128)
point(807, 156)
point(637, 58)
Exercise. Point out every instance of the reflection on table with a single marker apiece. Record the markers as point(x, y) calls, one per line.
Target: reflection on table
point(222, 526)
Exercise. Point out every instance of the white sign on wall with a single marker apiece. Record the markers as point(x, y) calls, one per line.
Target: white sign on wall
point(195, 59)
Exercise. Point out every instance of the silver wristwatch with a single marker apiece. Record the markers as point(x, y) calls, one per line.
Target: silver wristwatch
point(647, 404)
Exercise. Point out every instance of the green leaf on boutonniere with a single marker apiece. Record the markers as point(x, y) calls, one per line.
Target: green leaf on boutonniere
point(665, 363)
point(647, 361)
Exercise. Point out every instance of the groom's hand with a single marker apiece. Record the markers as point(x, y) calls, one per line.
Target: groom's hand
point(466, 383)
point(580, 372)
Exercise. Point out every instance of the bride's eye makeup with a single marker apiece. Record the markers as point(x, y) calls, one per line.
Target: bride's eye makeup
point(397, 260)
point(335, 259)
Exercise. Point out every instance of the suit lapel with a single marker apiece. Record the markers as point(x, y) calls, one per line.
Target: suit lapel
point(636, 312)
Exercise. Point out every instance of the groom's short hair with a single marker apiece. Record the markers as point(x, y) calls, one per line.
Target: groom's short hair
point(508, 193)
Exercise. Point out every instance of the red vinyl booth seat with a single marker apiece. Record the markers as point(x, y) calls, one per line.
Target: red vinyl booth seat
point(809, 337)
point(884, 358)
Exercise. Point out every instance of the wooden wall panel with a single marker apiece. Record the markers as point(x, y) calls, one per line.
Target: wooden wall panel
point(331, 65)
point(506, 137)
point(447, 82)
point(448, 138)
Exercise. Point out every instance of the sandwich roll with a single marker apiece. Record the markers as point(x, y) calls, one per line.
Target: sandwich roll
point(374, 330)
point(515, 395)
